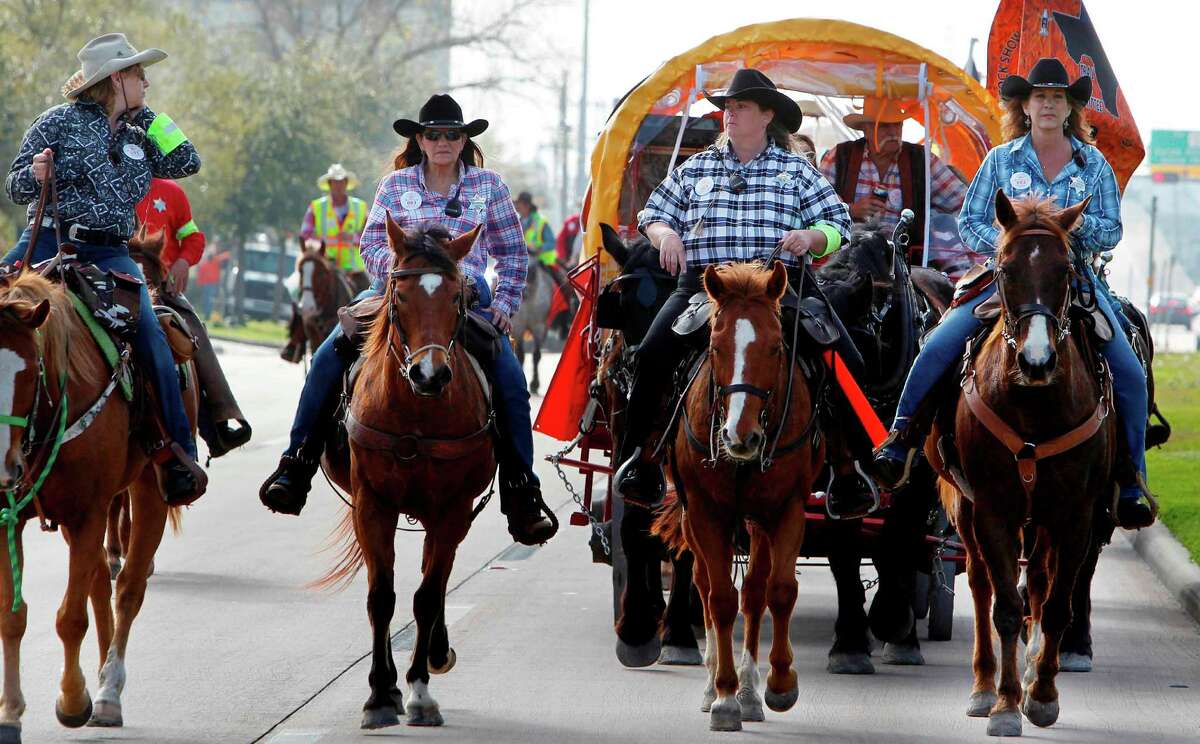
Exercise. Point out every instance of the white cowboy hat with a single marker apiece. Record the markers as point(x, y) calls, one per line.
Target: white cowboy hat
point(337, 173)
point(104, 55)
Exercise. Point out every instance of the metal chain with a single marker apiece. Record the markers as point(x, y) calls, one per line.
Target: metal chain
point(939, 574)
point(555, 460)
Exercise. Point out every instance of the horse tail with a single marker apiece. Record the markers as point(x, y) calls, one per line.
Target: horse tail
point(350, 557)
point(668, 525)
point(949, 495)
point(175, 519)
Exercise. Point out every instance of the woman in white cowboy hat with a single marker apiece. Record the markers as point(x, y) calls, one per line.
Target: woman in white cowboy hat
point(438, 178)
point(106, 145)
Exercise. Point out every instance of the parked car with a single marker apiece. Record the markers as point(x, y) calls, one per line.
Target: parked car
point(1172, 309)
point(269, 270)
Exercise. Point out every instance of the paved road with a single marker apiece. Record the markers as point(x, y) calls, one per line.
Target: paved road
point(231, 646)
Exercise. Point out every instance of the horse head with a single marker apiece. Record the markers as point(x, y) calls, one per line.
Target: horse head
point(643, 285)
point(316, 277)
point(1033, 280)
point(20, 348)
point(745, 350)
point(146, 249)
point(425, 305)
point(860, 279)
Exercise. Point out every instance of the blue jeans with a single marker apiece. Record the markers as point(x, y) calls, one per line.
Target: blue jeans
point(150, 343)
point(510, 391)
point(946, 343)
point(208, 295)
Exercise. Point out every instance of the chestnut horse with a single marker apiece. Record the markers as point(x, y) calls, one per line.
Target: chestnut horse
point(420, 445)
point(759, 470)
point(1033, 395)
point(323, 289)
point(40, 329)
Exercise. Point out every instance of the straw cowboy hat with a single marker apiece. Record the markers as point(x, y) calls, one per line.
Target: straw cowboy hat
point(878, 110)
point(441, 111)
point(749, 84)
point(104, 55)
point(337, 173)
point(1047, 73)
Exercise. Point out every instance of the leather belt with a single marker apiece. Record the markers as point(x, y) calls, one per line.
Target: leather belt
point(85, 235)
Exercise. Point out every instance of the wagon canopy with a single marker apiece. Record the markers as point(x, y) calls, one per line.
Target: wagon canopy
point(818, 59)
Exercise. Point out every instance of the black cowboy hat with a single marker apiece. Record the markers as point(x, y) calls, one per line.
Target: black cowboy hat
point(749, 84)
point(1047, 73)
point(439, 111)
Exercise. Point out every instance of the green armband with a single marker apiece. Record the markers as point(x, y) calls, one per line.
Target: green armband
point(188, 228)
point(165, 134)
point(833, 238)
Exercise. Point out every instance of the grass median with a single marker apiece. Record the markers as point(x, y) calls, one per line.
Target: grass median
point(1175, 467)
point(256, 331)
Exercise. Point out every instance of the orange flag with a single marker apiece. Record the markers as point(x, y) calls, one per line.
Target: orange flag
point(1024, 31)
point(567, 396)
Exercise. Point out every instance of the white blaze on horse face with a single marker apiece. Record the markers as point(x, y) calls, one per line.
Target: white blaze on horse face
point(11, 363)
point(430, 283)
point(743, 336)
point(308, 301)
point(1037, 347)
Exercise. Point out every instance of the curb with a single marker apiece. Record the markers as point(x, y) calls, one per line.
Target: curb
point(1172, 565)
point(232, 340)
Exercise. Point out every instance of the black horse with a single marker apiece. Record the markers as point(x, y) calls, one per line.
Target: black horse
point(648, 630)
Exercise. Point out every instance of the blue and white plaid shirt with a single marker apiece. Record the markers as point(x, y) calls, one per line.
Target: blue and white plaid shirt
point(1014, 167)
point(783, 192)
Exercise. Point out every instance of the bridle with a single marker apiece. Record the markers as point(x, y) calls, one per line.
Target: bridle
point(410, 355)
point(1014, 316)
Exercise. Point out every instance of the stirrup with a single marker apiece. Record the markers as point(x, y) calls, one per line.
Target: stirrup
point(905, 469)
point(1151, 501)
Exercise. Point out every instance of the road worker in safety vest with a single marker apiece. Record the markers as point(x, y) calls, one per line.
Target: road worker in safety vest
point(337, 219)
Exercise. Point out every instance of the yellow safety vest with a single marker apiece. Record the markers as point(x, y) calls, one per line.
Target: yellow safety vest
point(533, 239)
point(345, 255)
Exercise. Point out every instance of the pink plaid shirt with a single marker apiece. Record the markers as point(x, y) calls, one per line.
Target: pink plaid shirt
point(946, 191)
point(485, 199)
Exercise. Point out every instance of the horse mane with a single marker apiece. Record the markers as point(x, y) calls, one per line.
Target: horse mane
point(746, 281)
point(63, 326)
point(843, 264)
point(1032, 212)
point(427, 242)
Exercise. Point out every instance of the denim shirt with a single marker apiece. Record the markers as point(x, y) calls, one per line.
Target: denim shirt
point(1015, 168)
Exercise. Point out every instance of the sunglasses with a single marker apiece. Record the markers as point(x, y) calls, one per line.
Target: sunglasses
point(433, 135)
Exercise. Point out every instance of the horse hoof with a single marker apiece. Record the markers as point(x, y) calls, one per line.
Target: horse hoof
point(114, 568)
point(1073, 662)
point(843, 663)
point(726, 715)
point(73, 720)
point(451, 660)
point(781, 701)
point(424, 715)
point(680, 656)
point(10, 733)
point(376, 718)
point(638, 656)
point(1039, 714)
point(979, 705)
point(1004, 723)
point(899, 655)
point(752, 709)
point(106, 714)
point(710, 697)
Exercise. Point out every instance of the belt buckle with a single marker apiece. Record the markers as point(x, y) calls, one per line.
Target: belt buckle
point(73, 233)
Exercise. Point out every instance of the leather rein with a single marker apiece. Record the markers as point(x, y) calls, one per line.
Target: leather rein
point(1025, 453)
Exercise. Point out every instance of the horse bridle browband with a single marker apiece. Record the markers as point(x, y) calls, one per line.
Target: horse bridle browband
point(1013, 316)
point(410, 355)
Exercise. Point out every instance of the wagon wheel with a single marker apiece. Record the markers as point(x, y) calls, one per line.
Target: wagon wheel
point(941, 593)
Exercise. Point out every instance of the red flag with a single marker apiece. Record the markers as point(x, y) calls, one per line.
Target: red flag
point(567, 396)
point(1024, 31)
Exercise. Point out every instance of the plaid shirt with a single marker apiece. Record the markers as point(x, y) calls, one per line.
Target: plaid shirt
point(946, 191)
point(783, 192)
point(1014, 167)
point(484, 198)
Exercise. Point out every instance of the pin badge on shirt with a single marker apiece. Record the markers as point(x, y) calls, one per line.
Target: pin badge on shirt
point(1077, 184)
point(704, 186)
point(478, 202)
point(410, 200)
point(1020, 180)
point(784, 178)
point(133, 152)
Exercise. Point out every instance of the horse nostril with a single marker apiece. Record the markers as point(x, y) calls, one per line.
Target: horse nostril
point(442, 376)
point(416, 374)
point(754, 441)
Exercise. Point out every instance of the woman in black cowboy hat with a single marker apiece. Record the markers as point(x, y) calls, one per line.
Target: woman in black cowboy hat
point(1048, 151)
point(438, 178)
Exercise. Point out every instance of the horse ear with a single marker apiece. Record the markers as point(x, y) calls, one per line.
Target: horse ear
point(1005, 214)
point(462, 245)
point(778, 282)
point(713, 284)
point(29, 314)
point(613, 244)
point(1069, 216)
point(396, 237)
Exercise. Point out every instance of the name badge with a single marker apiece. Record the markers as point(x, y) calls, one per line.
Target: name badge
point(1020, 180)
point(133, 152)
point(410, 200)
point(704, 186)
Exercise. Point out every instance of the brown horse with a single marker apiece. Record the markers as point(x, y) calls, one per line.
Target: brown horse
point(1033, 395)
point(420, 445)
point(39, 327)
point(323, 289)
point(745, 452)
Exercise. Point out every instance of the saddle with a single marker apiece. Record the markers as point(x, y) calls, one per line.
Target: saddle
point(814, 315)
point(480, 338)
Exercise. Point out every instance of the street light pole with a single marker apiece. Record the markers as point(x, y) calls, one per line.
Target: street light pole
point(1150, 271)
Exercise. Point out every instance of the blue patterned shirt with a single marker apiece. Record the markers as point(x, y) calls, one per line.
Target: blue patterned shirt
point(1014, 167)
point(783, 192)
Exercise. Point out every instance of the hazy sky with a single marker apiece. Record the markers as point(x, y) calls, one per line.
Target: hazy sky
point(1146, 42)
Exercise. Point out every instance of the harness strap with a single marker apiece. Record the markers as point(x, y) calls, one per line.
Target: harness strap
point(1026, 453)
point(410, 446)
